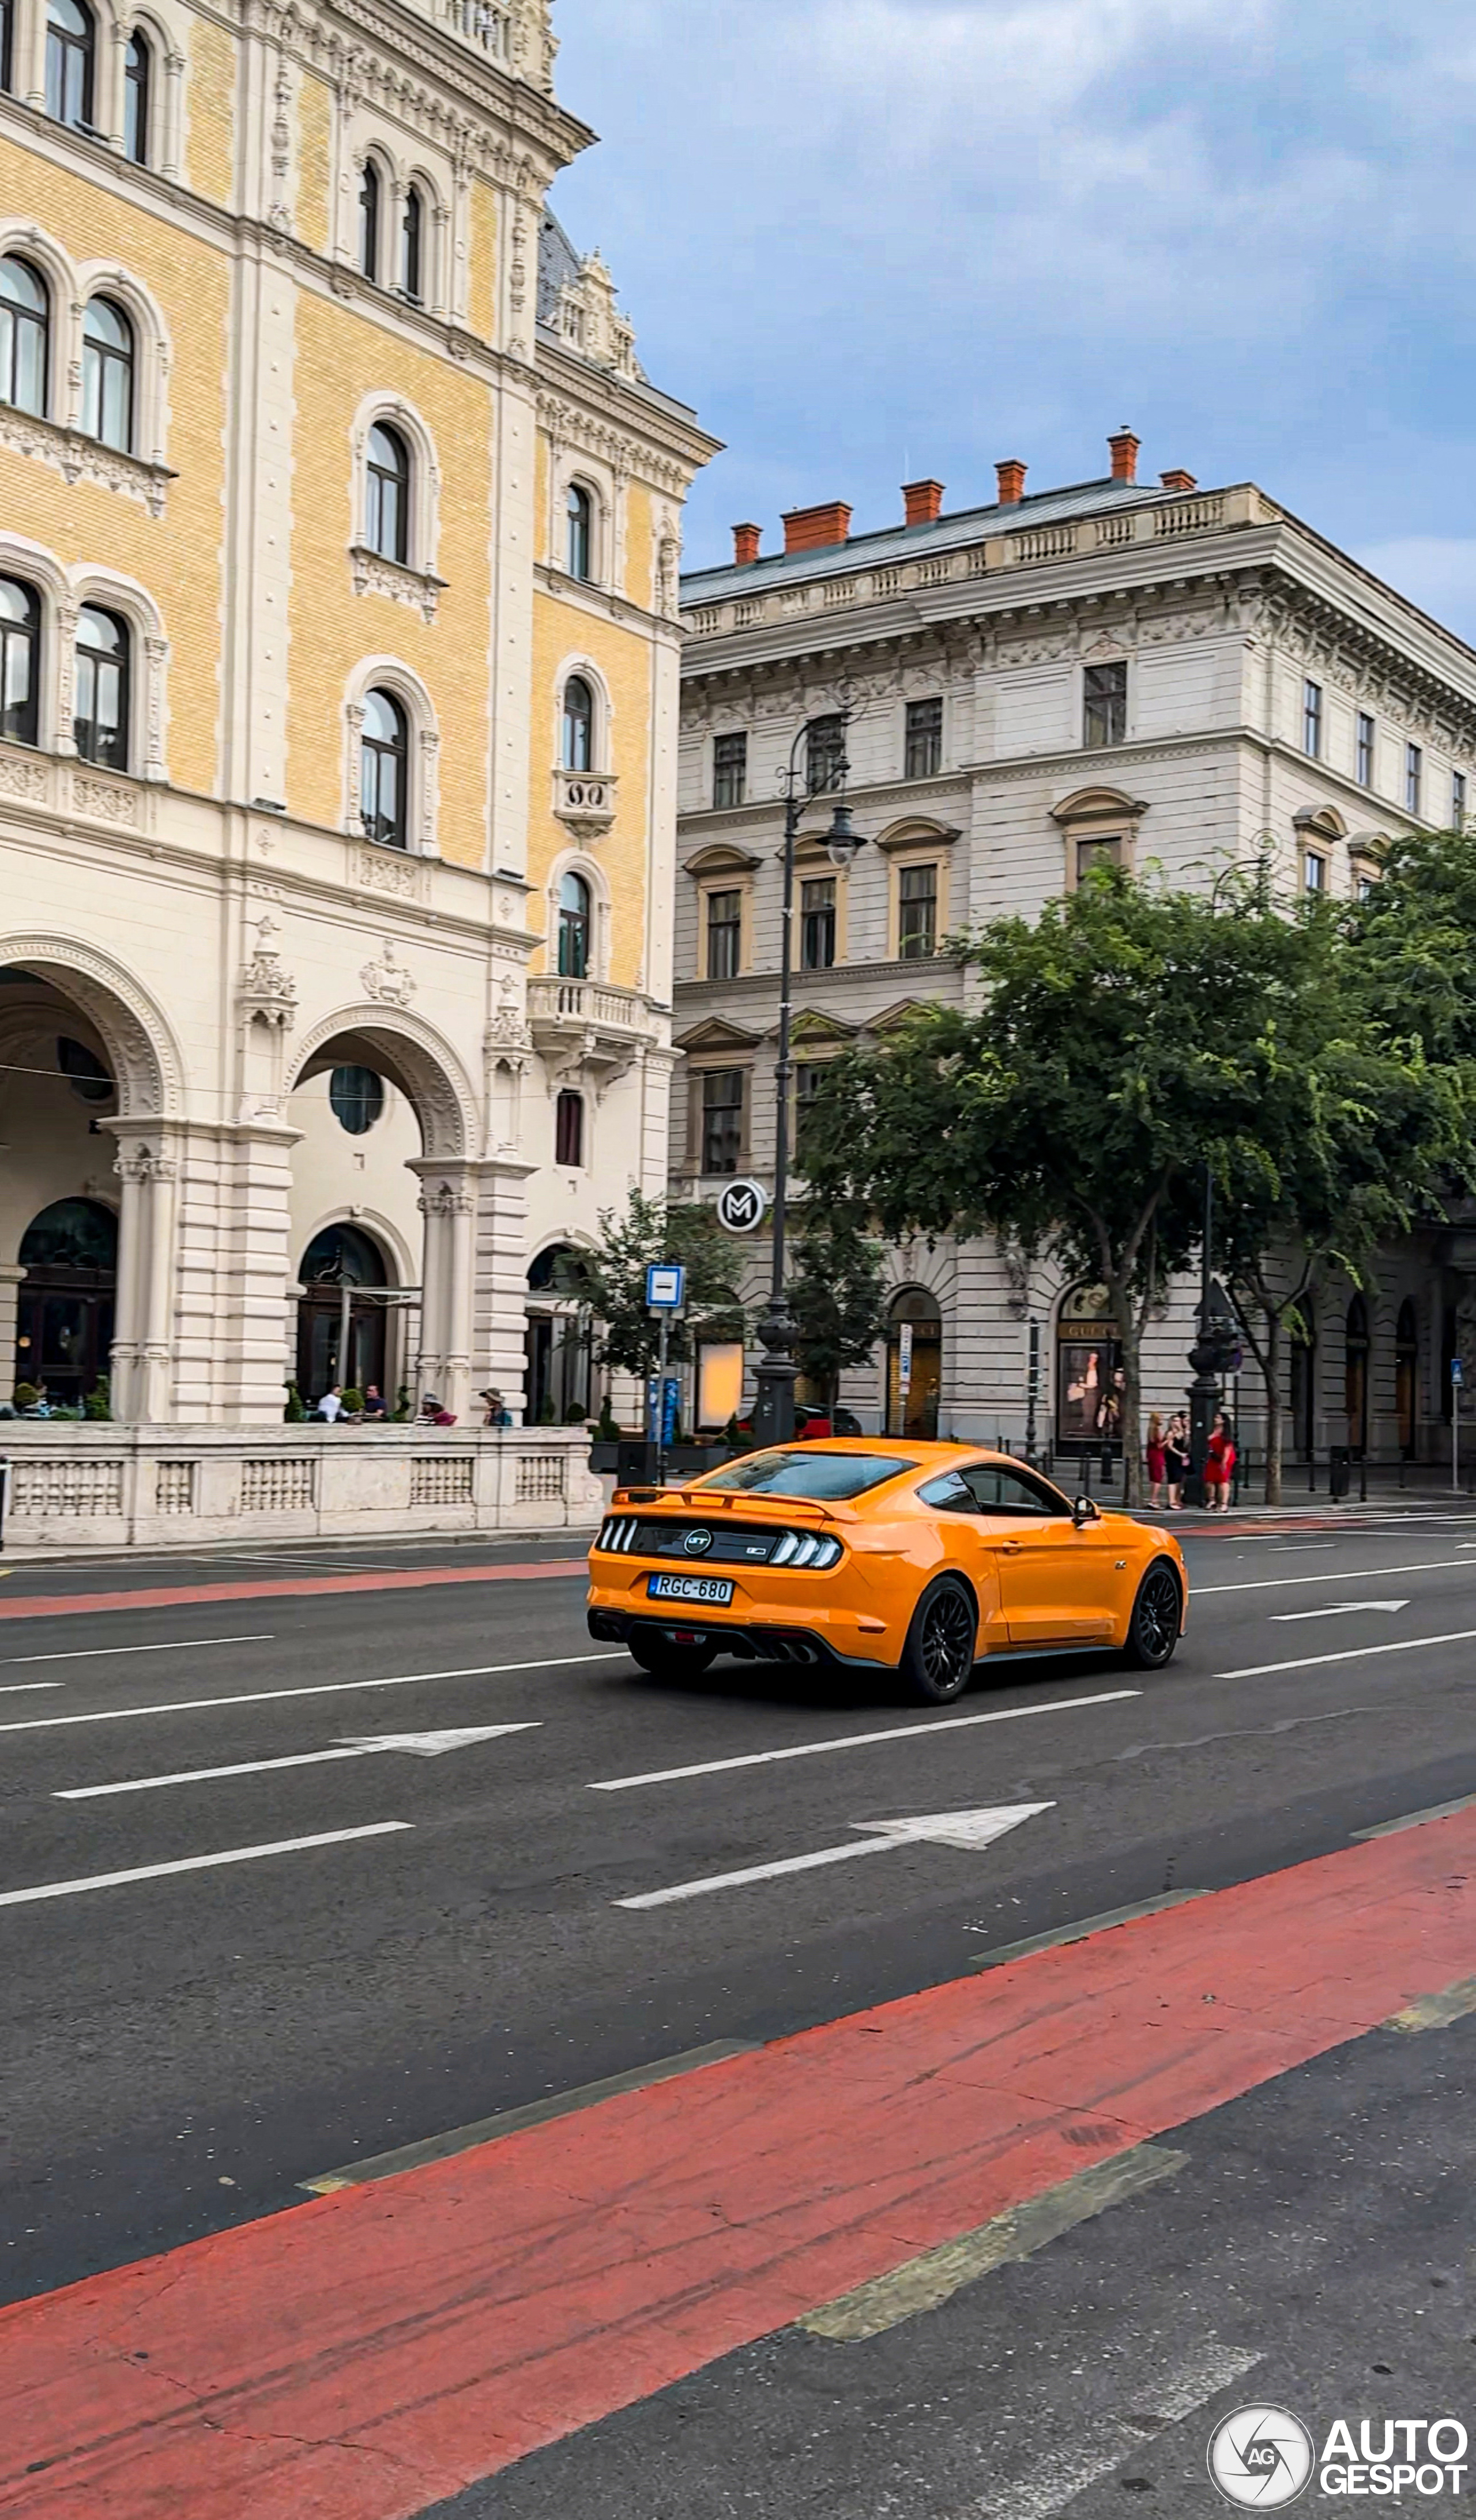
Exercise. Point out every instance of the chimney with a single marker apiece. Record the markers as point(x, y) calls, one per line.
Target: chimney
point(1011, 479)
point(815, 528)
point(1176, 480)
point(922, 502)
point(1124, 455)
point(746, 541)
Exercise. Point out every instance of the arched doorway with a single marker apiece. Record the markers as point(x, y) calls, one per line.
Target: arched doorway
point(1355, 1375)
point(63, 1330)
point(1406, 1379)
point(337, 1263)
point(1088, 1371)
point(560, 1338)
point(914, 1364)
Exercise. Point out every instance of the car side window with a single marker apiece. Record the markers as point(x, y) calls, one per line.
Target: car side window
point(1000, 1490)
point(951, 1492)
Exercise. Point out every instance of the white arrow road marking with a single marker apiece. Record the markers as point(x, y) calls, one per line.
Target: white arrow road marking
point(1334, 1610)
point(196, 1863)
point(421, 1745)
point(967, 1829)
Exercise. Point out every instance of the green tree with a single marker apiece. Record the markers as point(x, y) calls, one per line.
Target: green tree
point(1355, 1129)
point(610, 1280)
point(1124, 1038)
point(836, 1291)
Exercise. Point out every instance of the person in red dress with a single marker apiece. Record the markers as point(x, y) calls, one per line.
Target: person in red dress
point(1154, 1451)
point(1219, 1464)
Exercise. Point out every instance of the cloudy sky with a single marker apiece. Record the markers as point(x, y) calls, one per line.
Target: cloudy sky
point(872, 239)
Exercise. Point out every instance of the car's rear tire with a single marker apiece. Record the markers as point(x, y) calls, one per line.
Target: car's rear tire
point(942, 1642)
point(665, 1660)
point(1157, 1614)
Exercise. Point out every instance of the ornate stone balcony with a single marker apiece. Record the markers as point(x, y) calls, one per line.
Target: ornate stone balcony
point(584, 802)
point(588, 1025)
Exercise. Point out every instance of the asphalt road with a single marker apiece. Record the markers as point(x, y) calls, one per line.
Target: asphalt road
point(184, 2050)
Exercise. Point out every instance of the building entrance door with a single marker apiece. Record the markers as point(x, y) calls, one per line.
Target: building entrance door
point(64, 1322)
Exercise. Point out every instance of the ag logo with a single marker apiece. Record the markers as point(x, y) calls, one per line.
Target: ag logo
point(697, 1543)
point(740, 1207)
point(1260, 2457)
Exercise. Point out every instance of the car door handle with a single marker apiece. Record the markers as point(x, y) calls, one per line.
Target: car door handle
point(1010, 1547)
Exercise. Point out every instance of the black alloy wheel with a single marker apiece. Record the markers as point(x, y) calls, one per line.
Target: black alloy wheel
point(943, 1640)
point(664, 1659)
point(1153, 1628)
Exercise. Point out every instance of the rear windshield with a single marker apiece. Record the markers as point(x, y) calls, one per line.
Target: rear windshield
point(820, 1476)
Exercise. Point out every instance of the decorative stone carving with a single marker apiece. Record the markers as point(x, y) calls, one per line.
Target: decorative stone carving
point(82, 459)
point(265, 989)
point(373, 575)
point(100, 796)
point(388, 982)
point(20, 778)
point(391, 873)
point(143, 1163)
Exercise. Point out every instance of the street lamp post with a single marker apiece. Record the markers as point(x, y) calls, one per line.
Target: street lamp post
point(777, 1371)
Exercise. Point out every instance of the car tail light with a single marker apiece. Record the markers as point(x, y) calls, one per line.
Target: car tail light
point(805, 1549)
point(618, 1535)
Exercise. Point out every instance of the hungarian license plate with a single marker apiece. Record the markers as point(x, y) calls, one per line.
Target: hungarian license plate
point(716, 1589)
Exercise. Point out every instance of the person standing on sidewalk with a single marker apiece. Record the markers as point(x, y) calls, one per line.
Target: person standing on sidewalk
point(1176, 1459)
point(1155, 1457)
point(1219, 1464)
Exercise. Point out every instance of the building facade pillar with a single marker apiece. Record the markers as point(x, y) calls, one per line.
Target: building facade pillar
point(142, 1361)
point(11, 1276)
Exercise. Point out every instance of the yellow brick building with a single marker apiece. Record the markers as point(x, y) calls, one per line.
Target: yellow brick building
point(338, 546)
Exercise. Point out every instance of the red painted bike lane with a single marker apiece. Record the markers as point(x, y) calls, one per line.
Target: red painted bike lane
point(362, 2355)
point(172, 1597)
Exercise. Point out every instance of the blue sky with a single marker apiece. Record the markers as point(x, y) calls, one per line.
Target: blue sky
point(872, 239)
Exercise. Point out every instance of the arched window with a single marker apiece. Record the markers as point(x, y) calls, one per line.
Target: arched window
point(20, 661)
point(357, 1097)
point(108, 374)
point(25, 331)
point(573, 928)
point(387, 522)
point(568, 1128)
point(64, 1327)
point(385, 771)
point(578, 724)
point(340, 1257)
point(70, 52)
point(369, 200)
point(411, 228)
point(580, 513)
point(100, 715)
point(914, 1364)
point(137, 69)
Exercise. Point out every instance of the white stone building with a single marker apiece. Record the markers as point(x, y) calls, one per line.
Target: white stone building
point(1158, 673)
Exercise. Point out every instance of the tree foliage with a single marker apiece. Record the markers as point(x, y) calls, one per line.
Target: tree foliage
point(836, 1291)
point(1124, 1040)
point(610, 1280)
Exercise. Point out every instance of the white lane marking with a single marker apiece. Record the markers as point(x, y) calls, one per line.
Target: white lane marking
point(19, 1688)
point(1358, 1575)
point(970, 1829)
point(858, 1741)
point(1331, 1611)
point(420, 1745)
point(1056, 2479)
point(1308, 1548)
point(319, 1688)
point(95, 1653)
point(196, 1863)
point(1352, 1653)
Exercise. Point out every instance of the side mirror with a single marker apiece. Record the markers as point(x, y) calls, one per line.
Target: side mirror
point(1083, 1510)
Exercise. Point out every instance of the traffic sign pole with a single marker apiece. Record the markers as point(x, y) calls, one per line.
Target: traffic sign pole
point(1458, 1377)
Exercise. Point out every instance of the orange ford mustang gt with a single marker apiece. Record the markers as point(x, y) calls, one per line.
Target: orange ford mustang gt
point(878, 1551)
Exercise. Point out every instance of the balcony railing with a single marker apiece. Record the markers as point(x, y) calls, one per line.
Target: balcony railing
point(584, 800)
